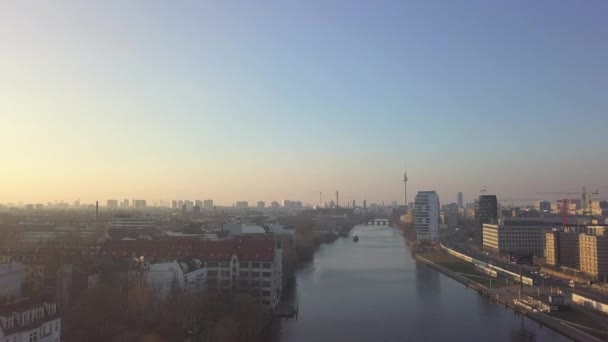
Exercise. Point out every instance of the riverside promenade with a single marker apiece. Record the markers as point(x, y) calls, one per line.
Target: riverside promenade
point(508, 297)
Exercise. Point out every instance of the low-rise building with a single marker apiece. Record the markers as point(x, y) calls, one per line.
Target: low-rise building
point(30, 320)
point(519, 236)
point(252, 265)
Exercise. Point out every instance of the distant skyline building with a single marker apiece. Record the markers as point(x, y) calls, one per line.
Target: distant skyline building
point(275, 205)
point(174, 204)
point(261, 204)
point(364, 204)
point(426, 216)
point(405, 187)
point(460, 200)
point(208, 204)
point(198, 203)
point(112, 204)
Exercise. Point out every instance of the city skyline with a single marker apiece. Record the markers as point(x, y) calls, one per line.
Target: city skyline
point(275, 100)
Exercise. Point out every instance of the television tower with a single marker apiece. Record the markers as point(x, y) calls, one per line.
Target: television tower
point(405, 186)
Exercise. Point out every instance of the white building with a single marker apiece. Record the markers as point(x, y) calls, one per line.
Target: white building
point(208, 204)
point(10, 280)
point(243, 228)
point(30, 320)
point(131, 223)
point(186, 276)
point(426, 216)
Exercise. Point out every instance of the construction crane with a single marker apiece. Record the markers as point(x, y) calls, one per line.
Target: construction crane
point(564, 208)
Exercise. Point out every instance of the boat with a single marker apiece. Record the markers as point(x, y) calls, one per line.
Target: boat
point(356, 238)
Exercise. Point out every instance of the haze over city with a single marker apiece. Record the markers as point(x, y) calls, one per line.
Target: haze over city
point(275, 100)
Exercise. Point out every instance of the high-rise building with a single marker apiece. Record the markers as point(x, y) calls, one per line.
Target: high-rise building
point(139, 204)
point(275, 205)
point(174, 204)
point(180, 204)
point(112, 204)
point(486, 211)
point(426, 216)
point(460, 200)
point(198, 203)
point(208, 204)
point(354, 204)
point(242, 204)
point(364, 204)
point(405, 187)
point(261, 204)
point(125, 204)
point(543, 206)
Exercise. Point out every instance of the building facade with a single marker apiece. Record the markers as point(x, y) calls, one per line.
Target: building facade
point(515, 236)
point(426, 216)
point(30, 320)
point(594, 255)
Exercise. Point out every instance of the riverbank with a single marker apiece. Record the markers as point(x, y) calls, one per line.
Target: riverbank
point(507, 298)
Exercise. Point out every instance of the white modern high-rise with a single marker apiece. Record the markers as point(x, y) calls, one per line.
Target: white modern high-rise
point(426, 216)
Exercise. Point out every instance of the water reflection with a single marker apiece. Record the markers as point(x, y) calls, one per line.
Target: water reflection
point(374, 290)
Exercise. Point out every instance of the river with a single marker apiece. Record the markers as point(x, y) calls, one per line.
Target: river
point(373, 290)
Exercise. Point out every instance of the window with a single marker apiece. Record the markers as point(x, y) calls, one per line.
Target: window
point(266, 274)
point(255, 274)
point(225, 273)
point(212, 273)
point(266, 265)
point(255, 283)
point(265, 293)
point(266, 302)
point(244, 264)
point(225, 283)
point(243, 283)
point(212, 264)
point(244, 274)
point(266, 283)
point(255, 264)
point(225, 264)
point(33, 337)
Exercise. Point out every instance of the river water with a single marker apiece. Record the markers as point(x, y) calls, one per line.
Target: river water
point(373, 290)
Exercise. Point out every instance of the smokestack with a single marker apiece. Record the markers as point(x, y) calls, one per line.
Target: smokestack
point(337, 199)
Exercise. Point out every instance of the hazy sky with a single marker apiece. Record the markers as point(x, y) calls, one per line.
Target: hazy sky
point(280, 100)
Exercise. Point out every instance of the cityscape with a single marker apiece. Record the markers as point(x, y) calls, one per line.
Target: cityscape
point(277, 171)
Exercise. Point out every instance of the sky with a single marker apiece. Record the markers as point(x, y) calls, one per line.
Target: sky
point(272, 100)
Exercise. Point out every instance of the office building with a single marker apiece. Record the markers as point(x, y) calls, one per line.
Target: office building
point(594, 255)
point(562, 248)
point(426, 216)
point(519, 236)
point(460, 200)
point(486, 211)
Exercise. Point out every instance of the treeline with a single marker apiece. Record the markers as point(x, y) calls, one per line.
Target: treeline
point(105, 314)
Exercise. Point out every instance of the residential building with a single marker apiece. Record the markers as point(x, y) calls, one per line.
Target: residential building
point(11, 276)
point(460, 200)
point(520, 236)
point(242, 204)
point(112, 204)
point(426, 216)
point(131, 223)
point(33, 278)
point(174, 204)
point(243, 228)
point(30, 320)
point(275, 205)
point(198, 203)
point(594, 255)
point(208, 204)
point(261, 204)
point(163, 277)
point(73, 279)
point(139, 204)
point(253, 265)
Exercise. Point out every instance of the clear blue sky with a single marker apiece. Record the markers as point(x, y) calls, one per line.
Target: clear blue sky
point(281, 99)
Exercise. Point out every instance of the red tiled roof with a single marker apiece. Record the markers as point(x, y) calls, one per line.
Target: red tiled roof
point(244, 249)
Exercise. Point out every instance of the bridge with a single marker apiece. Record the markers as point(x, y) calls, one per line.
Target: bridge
point(379, 222)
